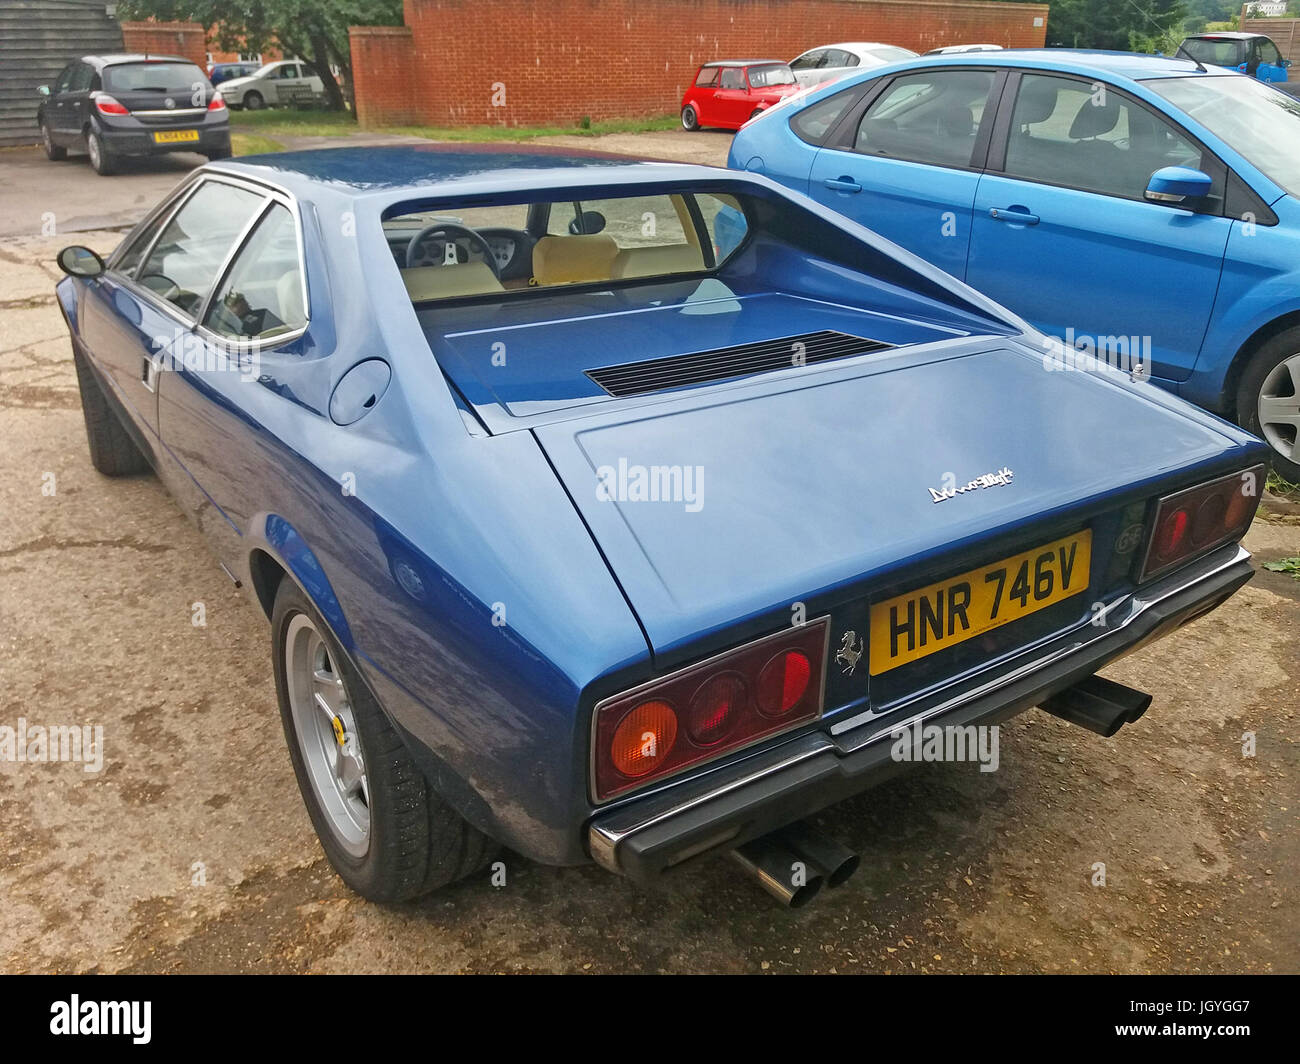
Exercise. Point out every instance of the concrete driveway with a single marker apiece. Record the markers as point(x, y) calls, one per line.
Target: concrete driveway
point(191, 852)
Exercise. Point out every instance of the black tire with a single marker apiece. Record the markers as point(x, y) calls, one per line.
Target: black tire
point(112, 451)
point(755, 113)
point(417, 842)
point(253, 100)
point(101, 161)
point(1262, 364)
point(690, 119)
point(220, 153)
point(52, 151)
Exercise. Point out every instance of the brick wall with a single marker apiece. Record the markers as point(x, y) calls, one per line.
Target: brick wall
point(530, 62)
point(383, 75)
point(167, 38)
point(1285, 33)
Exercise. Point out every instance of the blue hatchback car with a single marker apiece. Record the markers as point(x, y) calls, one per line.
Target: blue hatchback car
point(588, 529)
point(1142, 208)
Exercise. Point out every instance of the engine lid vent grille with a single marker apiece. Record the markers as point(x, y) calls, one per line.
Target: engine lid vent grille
point(743, 360)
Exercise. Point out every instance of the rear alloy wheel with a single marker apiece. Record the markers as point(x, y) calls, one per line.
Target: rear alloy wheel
point(253, 101)
point(52, 151)
point(1268, 400)
point(690, 120)
point(385, 830)
point(100, 160)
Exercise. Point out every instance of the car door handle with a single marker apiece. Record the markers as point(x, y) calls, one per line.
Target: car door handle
point(843, 184)
point(1015, 215)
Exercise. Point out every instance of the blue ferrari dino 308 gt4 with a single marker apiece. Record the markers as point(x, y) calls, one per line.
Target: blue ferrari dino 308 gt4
point(629, 511)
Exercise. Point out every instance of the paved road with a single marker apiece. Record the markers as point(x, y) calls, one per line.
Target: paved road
point(191, 851)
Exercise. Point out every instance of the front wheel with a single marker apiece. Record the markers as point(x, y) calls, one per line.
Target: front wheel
point(690, 119)
point(1268, 400)
point(253, 101)
point(220, 153)
point(100, 160)
point(112, 451)
point(386, 832)
point(52, 151)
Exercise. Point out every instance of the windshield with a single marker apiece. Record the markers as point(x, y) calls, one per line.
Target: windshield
point(1215, 51)
point(1252, 118)
point(153, 77)
point(766, 76)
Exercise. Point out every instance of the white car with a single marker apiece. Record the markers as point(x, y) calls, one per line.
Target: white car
point(830, 61)
point(954, 49)
point(285, 82)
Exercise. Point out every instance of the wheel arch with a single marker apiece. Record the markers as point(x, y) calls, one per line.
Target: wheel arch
point(279, 550)
point(1256, 340)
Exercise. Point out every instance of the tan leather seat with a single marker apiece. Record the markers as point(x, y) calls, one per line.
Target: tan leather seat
point(651, 261)
point(446, 282)
point(573, 259)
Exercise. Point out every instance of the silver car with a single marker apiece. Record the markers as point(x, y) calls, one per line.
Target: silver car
point(831, 61)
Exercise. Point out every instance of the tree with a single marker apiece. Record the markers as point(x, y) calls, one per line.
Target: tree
point(1113, 24)
point(315, 30)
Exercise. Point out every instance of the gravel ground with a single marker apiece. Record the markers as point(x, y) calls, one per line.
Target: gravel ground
point(190, 851)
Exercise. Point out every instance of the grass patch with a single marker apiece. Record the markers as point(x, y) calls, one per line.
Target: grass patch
point(586, 128)
point(1279, 485)
point(253, 144)
point(287, 121)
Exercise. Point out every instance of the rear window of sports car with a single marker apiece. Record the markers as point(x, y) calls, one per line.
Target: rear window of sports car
point(460, 252)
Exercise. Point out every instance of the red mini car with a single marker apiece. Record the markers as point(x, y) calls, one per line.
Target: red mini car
point(729, 93)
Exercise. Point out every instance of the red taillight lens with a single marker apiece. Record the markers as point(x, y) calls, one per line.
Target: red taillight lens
point(1171, 534)
point(715, 708)
point(216, 103)
point(1199, 519)
point(737, 698)
point(783, 683)
point(644, 738)
point(106, 105)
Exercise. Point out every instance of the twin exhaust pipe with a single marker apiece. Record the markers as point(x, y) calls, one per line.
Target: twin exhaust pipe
point(793, 863)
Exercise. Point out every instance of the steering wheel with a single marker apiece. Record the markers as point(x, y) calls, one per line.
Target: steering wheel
point(447, 231)
point(170, 293)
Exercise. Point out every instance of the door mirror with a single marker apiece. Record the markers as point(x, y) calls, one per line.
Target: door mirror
point(1174, 184)
point(77, 261)
point(44, 90)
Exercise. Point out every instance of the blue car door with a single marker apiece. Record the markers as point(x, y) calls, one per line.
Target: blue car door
point(1064, 236)
point(906, 162)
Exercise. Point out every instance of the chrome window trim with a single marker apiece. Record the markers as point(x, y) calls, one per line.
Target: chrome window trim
point(165, 211)
point(271, 194)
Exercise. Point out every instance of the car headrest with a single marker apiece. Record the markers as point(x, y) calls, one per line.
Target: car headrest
point(288, 294)
point(955, 119)
point(1036, 103)
point(1094, 118)
point(445, 282)
point(570, 259)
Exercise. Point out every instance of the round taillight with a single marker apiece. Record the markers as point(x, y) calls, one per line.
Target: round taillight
point(783, 683)
point(715, 709)
point(1239, 506)
point(1171, 533)
point(644, 738)
point(1209, 519)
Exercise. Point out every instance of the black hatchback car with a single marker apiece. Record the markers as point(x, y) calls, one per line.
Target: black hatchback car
point(110, 106)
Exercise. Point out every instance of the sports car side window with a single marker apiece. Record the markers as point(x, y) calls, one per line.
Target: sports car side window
point(183, 265)
point(1090, 137)
point(262, 295)
point(929, 117)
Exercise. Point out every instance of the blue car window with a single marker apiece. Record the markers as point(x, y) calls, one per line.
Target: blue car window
point(814, 122)
point(930, 117)
point(183, 265)
point(262, 296)
point(1090, 137)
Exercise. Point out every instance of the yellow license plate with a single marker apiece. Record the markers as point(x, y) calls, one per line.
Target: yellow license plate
point(940, 616)
point(174, 136)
